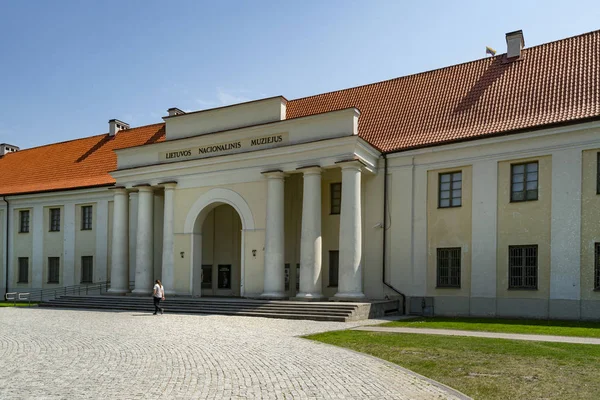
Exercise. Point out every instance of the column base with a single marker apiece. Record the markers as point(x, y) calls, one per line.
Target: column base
point(141, 292)
point(349, 297)
point(309, 297)
point(117, 292)
point(273, 296)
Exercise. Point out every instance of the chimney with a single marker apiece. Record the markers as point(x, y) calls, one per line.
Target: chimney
point(514, 44)
point(175, 111)
point(114, 126)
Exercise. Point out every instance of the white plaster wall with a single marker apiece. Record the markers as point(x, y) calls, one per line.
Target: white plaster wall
point(68, 261)
point(483, 239)
point(566, 225)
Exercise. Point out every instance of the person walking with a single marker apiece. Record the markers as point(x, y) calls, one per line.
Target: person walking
point(159, 294)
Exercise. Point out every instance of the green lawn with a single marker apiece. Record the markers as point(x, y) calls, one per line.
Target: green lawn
point(11, 304)
point(537, 327)
point(486, 368)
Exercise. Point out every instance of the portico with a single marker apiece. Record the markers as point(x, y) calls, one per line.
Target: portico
point(276, 176)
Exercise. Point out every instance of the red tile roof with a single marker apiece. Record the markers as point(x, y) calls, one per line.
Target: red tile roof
point(553, 83)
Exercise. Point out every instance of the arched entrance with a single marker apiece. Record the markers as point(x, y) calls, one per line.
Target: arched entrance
point(216, 224)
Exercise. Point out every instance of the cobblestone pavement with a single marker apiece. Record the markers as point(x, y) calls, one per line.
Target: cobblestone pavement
point(72, 354)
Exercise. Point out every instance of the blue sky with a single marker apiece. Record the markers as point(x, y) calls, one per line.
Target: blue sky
point(67, 67)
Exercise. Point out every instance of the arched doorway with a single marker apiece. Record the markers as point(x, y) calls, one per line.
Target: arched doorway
point(217, 269)
point(217, 223)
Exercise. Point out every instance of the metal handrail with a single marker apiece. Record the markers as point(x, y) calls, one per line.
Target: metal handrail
point(49, 294)
point(14, 296)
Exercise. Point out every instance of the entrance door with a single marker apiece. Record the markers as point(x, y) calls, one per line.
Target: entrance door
point(221, 253)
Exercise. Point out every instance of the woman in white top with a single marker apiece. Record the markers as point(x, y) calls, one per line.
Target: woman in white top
point(159, 294)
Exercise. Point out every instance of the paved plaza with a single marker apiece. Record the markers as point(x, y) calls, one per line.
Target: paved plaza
point(72, 354)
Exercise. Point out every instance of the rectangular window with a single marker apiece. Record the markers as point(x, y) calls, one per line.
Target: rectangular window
point(23, 221)
point(53, 269)
point(334, 263)
point(448, 267)
point(54, 219)
point(23, 270)
point(87, 269)
point(297, 277)
point(522, 267)
point(524, 182)
point(207, 277)
point(336, 198)
point(86, 218)
point(287, 276)
point(597, 266)
point(450, 193)
point(224, 276)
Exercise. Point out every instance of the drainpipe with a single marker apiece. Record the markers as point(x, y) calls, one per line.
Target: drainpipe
point(385, 227)
point(6, 236)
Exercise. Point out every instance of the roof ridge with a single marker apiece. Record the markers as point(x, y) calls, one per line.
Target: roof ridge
point(441, 68)
point(82, 138)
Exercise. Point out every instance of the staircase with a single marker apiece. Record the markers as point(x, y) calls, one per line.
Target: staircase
point(316, 311)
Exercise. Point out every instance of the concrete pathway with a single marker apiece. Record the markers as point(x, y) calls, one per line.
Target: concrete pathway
point(69, 354)
point(493, 335)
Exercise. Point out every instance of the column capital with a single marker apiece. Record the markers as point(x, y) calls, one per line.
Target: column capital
point(274, 174)
point(310, 170)
point(144, 188)
point(351, 164)
point(171, 185)
point(118, 190)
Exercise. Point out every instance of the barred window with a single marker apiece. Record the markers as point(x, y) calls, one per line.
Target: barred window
point(54, 219)
point(524, 182)
point(598, 173)
point(523, 267)
point(53, 269)
point(334, 264)
point(287, 276)
point(336, 198)
point(23, 270)
point(23, 221)
point(87, 269)
point(597, 266)
point(297, 277)
point(86, 218)
point(450, 190)
point(448, 267)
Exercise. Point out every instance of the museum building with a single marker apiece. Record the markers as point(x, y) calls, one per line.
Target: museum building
point(472, 189)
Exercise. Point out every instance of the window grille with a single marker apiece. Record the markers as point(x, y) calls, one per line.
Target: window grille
point(448, 267)
point(23, 270)
point(87, 269)
point(53, 269)
point(334, 263)
point(597, 266)
point(522, 267)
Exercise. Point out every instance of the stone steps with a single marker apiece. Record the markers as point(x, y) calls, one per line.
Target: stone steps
point(317, 311)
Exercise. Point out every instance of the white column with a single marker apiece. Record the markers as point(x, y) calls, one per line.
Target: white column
point(69, 245)
point(133, 213)
point(274, 283)
point(144, 266)
point(119, 273)
point(311, 241)
point(37, 264)
point(565, 253)
point(168, 272)
point(350, 267)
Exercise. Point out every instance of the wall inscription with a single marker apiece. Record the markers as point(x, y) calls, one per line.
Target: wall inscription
point(236, 146)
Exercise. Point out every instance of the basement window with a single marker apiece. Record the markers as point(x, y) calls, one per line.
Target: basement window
point(523, 267)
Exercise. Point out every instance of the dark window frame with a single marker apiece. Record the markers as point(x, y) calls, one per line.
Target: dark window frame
point(598, 173)
point(448, 276)
point(54, 221)
point(335, 202)
point(53, 270)
point(334, 278)
point(24, 221)
point(87, 219)
point(523, 276)
point(450, 191)
point(207, 285)
point(287, 276)
point(23, 277)
point(525, 192)
point(597, 266)
point(84, 264)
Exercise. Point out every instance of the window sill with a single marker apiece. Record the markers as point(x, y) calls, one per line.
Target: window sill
point(521, 289)
point(447, 287)
point(523, 201)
